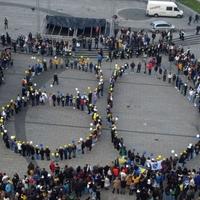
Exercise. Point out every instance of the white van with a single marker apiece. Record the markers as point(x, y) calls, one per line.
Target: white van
point(163, 8)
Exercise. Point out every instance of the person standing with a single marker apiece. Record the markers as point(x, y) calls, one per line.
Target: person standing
point(110, 55)
point(96, 41)
point(47, 153)
point(116, 185)
point(123, 186)
point(55, 79)
point(169, 77)
point(197, 30)
point(82, 146)
point(3, 40)
point(164, 75)
point(52, 167)
point(99, 59)
point(14, 45)
point(181, 35)
point(139, 67)
point(196, 18)
point(189, 20)
point(132, 66)
point(91, 67)
point(98, 192)
point(58, 99)
point(54, 99)
point(63, 100)
point(153, 37)
point(5, 23)
point(89, 44)
point(185, 89)
point(42, 152)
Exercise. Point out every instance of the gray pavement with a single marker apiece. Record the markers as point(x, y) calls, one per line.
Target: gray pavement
point(158, 119)
point(17, 71)
point(66, 123)
point(153, 111)
point(154, 117)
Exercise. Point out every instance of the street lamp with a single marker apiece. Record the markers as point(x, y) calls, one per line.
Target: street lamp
point(38, 15)
point(112, 19)
point(49, 5)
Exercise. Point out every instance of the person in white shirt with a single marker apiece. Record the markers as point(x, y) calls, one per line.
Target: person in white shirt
point(106, 183)
point(169, 77)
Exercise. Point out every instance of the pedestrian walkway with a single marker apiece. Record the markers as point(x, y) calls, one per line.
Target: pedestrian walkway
point(153, 111)
point(189, 40)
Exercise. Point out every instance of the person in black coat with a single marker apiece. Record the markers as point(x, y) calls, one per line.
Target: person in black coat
point(47, 153)
point(67, 100)
point(54, 99)
point(42, 153)
point(83, 147)
point(55, 79)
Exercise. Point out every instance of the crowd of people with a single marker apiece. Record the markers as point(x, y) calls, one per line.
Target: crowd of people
point(5, 56)
point(186, 78)
point(6, 40)
point(5, 62)
point(33, 96)
point(180, 182)
point(124, 44)
point(171, 182)
point(44, 46)
point(1, 76)
point(151, 54)
point(133, 173)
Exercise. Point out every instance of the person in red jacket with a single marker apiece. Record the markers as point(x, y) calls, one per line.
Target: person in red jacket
point(82, 102)
point(115, 171)
point(52, 167)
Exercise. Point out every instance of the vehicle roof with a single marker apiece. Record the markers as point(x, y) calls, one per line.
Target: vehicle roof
point(159, 22)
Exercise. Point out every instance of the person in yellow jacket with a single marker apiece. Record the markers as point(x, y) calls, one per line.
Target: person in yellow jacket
point(180, 66)
point(56, 62)
point(94, 116)
point(23, 197)
point(61, 62)
point(136, 179)
point(129, 180)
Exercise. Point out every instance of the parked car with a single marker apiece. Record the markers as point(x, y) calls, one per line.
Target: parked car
point(163, 8)
point(158, 26)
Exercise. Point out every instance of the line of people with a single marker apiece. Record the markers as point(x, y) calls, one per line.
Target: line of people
point(159, 185)
point(131, 176)
point(126, 44)
point(49, 47)
point(32, 96)
point(5, 62)
point(191, 90)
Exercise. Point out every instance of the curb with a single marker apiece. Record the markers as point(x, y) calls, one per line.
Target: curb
point(186, 7)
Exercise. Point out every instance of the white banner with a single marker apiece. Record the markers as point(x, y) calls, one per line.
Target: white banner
point(154, 165)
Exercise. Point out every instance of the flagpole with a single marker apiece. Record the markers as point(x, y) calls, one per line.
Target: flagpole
point(38, 15)
point(112, 20)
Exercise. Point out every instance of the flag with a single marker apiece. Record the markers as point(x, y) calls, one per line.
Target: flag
point(155, 165)
point(142, 170)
